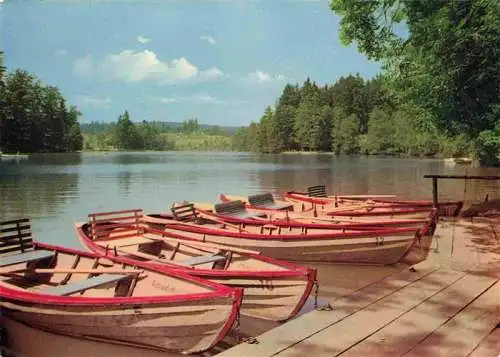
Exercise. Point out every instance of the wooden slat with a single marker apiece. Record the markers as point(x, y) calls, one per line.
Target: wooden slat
point(317, 191)
point(15, 221)
point(202, 259)
point(25, 257)
point(133, 234)
point(16, 242)
point(403, 334)
point(116, 219)
point(100, 214)
point(14, 229)
point(353, 329)
point(489, 346)
point(82, 285)
point(16, 248)
point(464, 332)
point(278, 339)
point(15, 237)
point(125, 242)
point(74, 271)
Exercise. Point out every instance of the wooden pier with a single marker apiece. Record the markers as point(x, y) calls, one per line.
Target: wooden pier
point(446, 305)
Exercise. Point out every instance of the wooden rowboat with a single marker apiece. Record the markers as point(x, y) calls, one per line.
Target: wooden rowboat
point(318, 195)
point(376, 247)
point(233, 210)
point(81, 294)
point(273, 289)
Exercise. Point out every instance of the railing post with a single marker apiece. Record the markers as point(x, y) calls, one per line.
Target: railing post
point(435, 192)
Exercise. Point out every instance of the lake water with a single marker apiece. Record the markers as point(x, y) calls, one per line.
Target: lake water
point(57, 190)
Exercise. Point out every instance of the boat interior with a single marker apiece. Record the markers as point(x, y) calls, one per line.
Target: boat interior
point(24, 265)
point(123, 232)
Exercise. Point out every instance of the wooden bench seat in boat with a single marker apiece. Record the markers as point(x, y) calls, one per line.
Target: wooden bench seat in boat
point(235, 209)
point(26, 257)
point(317, 191)
point(82, 285)
point(266, 200)
point(203, 259)
point(16, 243)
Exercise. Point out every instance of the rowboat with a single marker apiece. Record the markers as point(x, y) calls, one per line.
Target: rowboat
point(69, 292)
point(234, 210)
point(273, 289)
point(376, 247)
point(316, 195)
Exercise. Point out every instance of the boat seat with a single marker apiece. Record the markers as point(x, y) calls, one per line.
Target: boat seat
point(266, 200)
point(82, 285)
point(184, 212)
point(203, 259)
point(26, 257)
point(235, 209)
point(15, 237)
point(317, 191)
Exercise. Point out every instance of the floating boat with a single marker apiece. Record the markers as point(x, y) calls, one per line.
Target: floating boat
point(234, 210)
point(82, 294)
point(316, 195)
point(273, 289)
point(376, 247)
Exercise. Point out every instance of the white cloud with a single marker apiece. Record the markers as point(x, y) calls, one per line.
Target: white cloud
point(130, 66)
point(212, 73)
point(94, 102)
point(84, 66)
point(143, 39)
point(199, 99)
point(261, 77)
point(167, 100)
point(209, 39)
point(61, 53)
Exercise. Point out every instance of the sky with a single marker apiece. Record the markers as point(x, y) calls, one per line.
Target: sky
point(220, 61)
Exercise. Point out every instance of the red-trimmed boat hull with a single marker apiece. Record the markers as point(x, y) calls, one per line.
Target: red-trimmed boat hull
point(178, 323)
point(376, 247)
point(274, 295)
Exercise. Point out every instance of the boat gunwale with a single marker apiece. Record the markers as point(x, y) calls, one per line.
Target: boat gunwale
point(294, 269)
point(297, 237)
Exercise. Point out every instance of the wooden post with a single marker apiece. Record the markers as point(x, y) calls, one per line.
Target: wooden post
point(435, 192)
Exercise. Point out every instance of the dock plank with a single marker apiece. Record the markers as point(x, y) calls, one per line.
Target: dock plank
point(489, 347)
point(403, 334)
point(353, 329)
point(461, 334)
point(274, 341)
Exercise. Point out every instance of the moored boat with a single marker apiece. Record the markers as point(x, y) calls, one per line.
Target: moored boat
point(70, 292)
point(317, 195)
point(377, 246)
point(233, 210)
point(273, 289)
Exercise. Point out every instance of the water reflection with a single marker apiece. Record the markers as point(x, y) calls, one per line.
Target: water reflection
point(57, 190)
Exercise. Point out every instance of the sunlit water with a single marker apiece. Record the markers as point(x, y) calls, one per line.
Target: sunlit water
point(57, 190)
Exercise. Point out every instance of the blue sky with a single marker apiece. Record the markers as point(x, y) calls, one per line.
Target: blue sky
point(220, 61)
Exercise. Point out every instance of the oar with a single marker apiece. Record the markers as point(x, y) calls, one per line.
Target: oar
point(195, 243)
point(72, 271)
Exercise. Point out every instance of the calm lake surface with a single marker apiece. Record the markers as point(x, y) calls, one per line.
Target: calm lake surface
point(57, 190)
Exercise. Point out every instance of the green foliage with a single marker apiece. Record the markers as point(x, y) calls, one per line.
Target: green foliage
point(488, 147)
point(35, 118)
point(448, 65)
point(190, 126)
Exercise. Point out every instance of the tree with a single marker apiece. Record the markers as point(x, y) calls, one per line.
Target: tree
point(34, 117)
point(127, 136)
point(449, 62)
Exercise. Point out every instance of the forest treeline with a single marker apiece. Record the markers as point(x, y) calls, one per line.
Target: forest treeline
point(35, 117)
point(438, 93)
point(124, 134)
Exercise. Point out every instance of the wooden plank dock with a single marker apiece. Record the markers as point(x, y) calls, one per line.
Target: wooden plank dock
point(446, 305)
